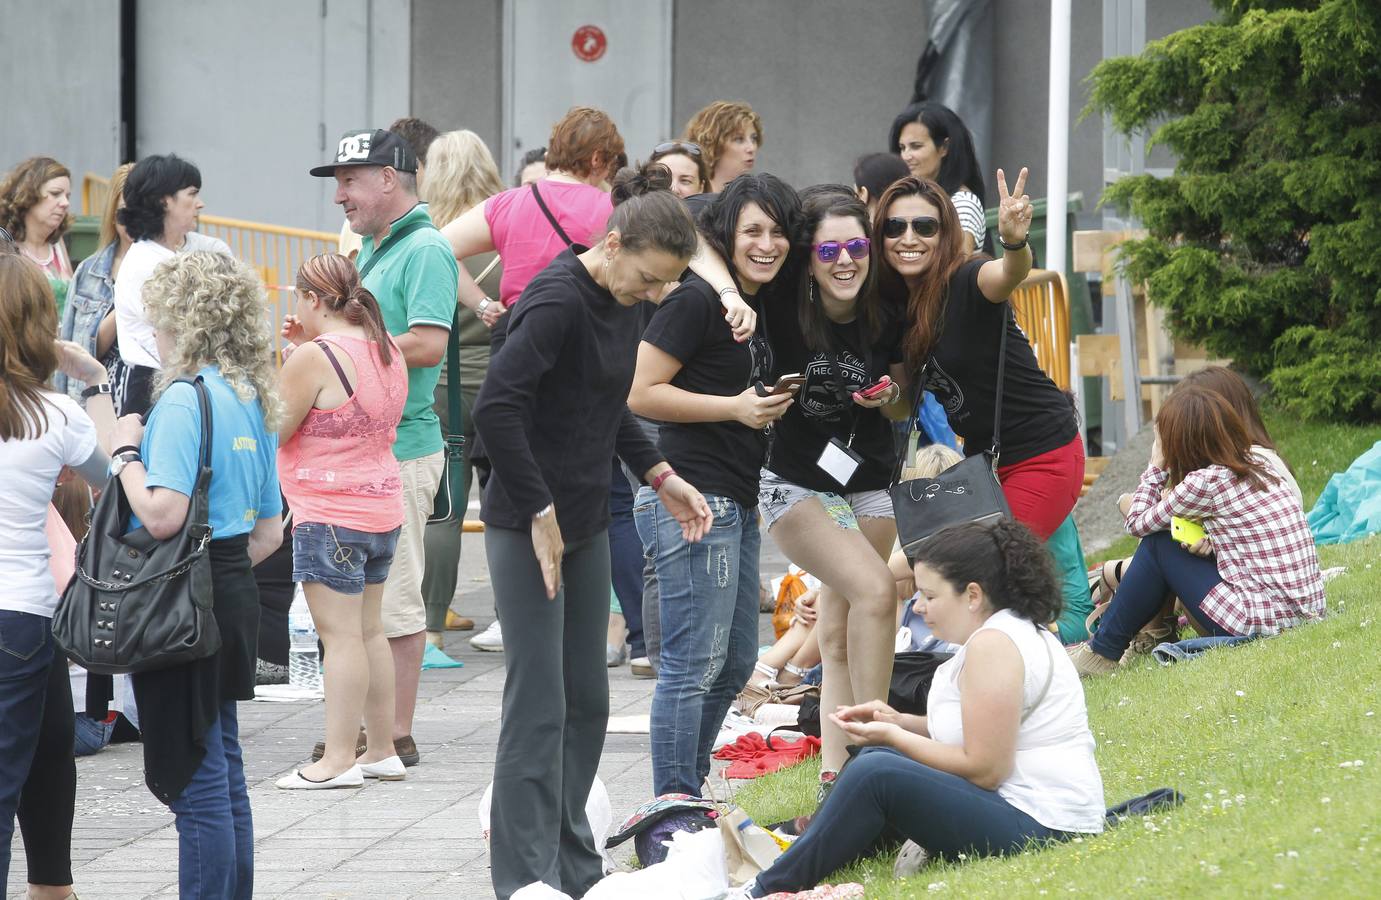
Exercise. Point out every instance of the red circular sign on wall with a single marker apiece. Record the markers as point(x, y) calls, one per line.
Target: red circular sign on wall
point(589, 42)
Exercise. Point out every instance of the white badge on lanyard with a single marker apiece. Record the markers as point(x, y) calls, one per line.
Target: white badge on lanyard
point(839, 460)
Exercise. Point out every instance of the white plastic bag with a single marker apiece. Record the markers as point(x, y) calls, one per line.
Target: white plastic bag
point(597, 809)
point(693, 870)
point(539, 890)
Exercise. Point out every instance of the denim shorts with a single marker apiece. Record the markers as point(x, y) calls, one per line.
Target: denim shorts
point(343, 559)
point(776, 495)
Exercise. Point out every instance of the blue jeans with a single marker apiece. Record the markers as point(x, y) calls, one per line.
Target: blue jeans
point(26, 649)
point(883, 793)
point(1160, 567)
point(215, 846)
point(709, 632)
point(626, 558)
point(90, 735)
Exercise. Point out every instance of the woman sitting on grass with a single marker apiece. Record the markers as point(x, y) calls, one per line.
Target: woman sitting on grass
point(1005, 755)
point(1264, 574)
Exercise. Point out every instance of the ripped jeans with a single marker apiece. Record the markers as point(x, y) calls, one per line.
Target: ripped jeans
point(709, 619)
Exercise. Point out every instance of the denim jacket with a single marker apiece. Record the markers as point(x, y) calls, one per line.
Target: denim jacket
point(92, 296)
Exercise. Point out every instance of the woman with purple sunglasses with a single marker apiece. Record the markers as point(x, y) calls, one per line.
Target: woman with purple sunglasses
point(823, 492)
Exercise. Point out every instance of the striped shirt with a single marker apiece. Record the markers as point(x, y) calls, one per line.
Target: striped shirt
point(972, 218)
point(1265, 552)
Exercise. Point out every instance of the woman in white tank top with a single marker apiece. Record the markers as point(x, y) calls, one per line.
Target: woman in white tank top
point(1004, 756)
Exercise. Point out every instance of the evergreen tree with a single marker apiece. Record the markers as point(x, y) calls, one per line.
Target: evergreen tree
point(1265, 244)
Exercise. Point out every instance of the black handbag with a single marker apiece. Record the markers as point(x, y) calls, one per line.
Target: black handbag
point(967, 491)
point(137, 603)
point(450, 501)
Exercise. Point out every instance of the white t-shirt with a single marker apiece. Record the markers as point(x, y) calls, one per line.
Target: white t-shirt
point(1054, 778)
point(121, 701)
point(31, 470)
point(134, 333)
point(1277, 466)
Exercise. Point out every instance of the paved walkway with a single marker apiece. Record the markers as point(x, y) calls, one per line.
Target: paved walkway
point(416, 838)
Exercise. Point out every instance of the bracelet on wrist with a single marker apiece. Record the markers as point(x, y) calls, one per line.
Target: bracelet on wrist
point(544, 511)
point(728, 290)
point(1019, 245)
point(661, 479)
point(126, 448)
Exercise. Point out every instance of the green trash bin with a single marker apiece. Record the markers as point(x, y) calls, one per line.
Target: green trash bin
point(84, 238)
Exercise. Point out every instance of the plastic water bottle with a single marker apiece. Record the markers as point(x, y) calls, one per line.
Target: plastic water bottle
point(304, 664)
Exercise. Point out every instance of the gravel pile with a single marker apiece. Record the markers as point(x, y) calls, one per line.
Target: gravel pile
point(1096, 513)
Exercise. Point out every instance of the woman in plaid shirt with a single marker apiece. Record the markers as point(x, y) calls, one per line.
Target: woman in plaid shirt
point(1264, 575)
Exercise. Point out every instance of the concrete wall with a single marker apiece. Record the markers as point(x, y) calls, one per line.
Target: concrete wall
point(60, 67)
point(827, 80)
point(457, 55)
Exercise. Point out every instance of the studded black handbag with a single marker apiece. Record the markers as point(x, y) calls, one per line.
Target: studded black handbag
point(137, 603)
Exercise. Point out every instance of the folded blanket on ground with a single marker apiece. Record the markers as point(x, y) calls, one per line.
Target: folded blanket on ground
point(753, 755)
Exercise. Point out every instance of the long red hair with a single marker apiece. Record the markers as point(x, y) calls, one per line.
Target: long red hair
point(925, 304)
point(1198, 428)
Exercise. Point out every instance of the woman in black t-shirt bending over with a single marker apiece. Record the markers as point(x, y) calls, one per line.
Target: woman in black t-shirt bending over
point(956, 307)
point(552, 413)
point(824, 488)
point(699, 382)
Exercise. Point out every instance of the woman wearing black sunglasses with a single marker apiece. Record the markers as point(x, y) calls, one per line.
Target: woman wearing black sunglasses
point(956, 308)
point(823, 492)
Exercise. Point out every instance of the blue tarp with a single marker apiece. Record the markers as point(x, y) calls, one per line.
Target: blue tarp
point(1350, 506)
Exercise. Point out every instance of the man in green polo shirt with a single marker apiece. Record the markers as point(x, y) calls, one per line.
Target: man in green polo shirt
point(409, 268)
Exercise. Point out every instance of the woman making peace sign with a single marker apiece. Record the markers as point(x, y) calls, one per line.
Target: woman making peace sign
point(956, 307)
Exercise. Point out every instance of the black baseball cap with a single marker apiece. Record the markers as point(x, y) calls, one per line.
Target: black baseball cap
point(378, 147)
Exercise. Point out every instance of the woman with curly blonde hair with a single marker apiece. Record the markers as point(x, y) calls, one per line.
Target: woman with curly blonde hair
point(35, 207)
point(207, 312)
point(729, 134)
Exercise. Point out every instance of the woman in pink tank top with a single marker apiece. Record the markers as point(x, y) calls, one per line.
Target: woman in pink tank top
point(343, 389)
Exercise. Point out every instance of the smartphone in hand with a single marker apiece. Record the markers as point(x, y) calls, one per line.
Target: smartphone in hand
point(874, 390)
point(787, 383)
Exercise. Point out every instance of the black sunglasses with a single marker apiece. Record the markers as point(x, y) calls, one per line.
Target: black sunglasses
point(672, 146)
point(924, 226)
point(6, 236)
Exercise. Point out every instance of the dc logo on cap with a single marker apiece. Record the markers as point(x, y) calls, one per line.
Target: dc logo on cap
point(354, 146)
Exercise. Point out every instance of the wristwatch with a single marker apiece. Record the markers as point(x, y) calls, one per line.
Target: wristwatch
point(93, 390)
point(484, 304)
point(117, 465)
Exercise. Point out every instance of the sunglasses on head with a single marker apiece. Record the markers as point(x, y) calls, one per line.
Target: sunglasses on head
point(828, 251)
point(673, 146)
point(924, 226)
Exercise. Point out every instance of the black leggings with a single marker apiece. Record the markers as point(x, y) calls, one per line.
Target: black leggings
point(50, 793)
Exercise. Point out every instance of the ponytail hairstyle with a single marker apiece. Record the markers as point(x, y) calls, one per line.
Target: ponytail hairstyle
point(1005, 559)
point(648, 215)
point(28, 354)
point(1198, 428)
point(923, 307)
point(334, 279)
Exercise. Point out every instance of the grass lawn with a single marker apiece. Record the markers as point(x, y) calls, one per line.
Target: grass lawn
point(1275, 745)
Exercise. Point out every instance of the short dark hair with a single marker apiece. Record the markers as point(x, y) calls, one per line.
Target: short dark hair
point(535, 155)
point(719, 219)
point(819, 202)
point(418, 135)
point(151, 180)
point(1006, 559)
point(647, 214)
point(959, 168)
point(877, 171)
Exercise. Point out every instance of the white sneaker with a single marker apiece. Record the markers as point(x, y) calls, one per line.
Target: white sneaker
point(490, 639)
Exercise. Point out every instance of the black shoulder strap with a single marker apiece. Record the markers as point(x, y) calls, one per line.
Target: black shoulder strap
point(390, 242)
point(561, 232)
point(335, 364)
point(996, 449)
point(204, 404)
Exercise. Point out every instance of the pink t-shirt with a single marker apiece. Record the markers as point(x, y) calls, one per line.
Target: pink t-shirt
point(525, 239)
point(338, 468)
